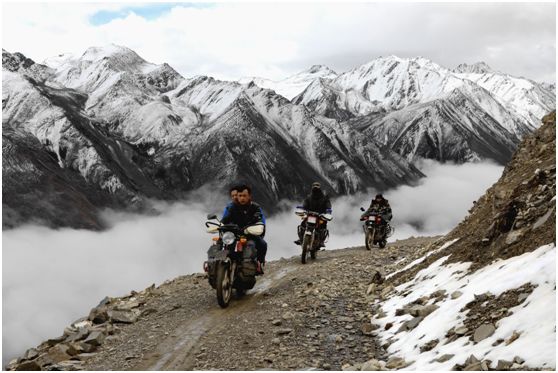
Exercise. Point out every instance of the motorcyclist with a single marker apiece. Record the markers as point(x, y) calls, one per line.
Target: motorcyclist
point(245, 213)
point(319, 202)
point(380, 205)
point(233, 192)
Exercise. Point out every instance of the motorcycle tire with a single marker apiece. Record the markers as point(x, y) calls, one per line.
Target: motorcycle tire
point(382, 244)
point(368, 241)
point(313, 254)
point(223, 285)
point(305, 248)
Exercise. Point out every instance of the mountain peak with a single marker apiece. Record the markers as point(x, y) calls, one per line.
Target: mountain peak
point(476, 68)
point(110, 50)
point(320, 69)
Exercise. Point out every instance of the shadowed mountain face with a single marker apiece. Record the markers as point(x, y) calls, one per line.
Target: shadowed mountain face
point(117, 131)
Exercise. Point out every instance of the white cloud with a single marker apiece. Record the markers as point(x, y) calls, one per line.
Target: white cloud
point(52, 277)
point(230, 40)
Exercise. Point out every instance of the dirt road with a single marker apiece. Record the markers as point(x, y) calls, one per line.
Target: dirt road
point(297, 317)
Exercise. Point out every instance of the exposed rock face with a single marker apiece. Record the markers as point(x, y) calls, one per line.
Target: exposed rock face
point(130, 130)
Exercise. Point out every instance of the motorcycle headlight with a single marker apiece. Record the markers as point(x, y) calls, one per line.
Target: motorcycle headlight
point(228, 238)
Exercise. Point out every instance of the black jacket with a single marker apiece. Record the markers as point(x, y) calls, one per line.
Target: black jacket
point(243, 216)
point(382, 207)
point(317, 203)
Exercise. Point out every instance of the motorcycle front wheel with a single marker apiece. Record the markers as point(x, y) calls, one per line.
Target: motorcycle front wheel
point(224, 285)
point(305, 248)
point(368, 240)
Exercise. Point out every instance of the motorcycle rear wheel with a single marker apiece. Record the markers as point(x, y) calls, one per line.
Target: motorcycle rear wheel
point(382, 243)
point(224, 285)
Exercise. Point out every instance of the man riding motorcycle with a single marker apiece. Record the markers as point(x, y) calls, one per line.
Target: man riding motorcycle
point(233, 192)
point(245, 213)
point(380, 204)
point(319, 202)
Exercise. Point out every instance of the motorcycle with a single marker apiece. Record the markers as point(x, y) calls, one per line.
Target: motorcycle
point(376, 229)
point(312, 237)
point(231, 260)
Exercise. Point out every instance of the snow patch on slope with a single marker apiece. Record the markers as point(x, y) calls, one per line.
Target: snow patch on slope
point(534, 318)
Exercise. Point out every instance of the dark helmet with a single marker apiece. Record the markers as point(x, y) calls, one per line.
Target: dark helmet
point(379, 196)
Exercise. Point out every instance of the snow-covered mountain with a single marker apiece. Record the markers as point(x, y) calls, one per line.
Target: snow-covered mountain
point(132, 130)
point(392, 83)
point(421, 109)
point(475, 68)
point(293, 85)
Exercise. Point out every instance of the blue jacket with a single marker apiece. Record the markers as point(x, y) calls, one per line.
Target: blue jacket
point(243, 216)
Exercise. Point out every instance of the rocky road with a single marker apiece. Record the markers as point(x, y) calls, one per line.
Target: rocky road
point(297, 317)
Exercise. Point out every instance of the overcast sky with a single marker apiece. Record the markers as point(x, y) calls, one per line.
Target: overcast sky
point(274, 40)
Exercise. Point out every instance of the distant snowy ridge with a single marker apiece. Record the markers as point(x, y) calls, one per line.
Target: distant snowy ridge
point(293, 85)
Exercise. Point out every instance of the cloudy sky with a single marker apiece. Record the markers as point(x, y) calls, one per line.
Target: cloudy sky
point(274, 40)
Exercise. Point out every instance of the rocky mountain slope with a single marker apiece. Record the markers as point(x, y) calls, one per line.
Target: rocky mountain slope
point(133, 130)
point(482, 297)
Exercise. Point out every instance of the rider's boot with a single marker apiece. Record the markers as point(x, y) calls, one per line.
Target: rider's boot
point(259, 268)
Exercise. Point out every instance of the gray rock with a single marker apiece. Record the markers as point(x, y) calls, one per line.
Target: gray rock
point(427, 310)
point(96, 338)
point(503, 365)
point(482, 297)
point(462, 330)
point(385, 291)
point(371, 289)
point(514, 236)
point(30, 354)
point(277, 322)
point(127, 306)
point(513, 337)
point(456, 294)
point(82, 333)
point(371, 365)
point(396, 363)
point(275, 341)
point(284, 331)
point(473, 367)
point(429, 345)
point(366, 328)
point(543, 219)
point(99, 314)
point(54, 355)
point(521, 297)
point(444, 358)
point(124, 317)
point(67, 365)
point(438, 294)
point(27, 366)
point(410, 324)
point(482, 332)
point(518, 360)
point(471, 360)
